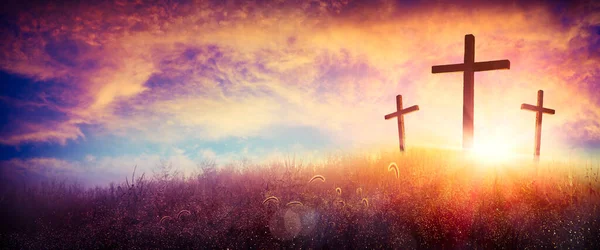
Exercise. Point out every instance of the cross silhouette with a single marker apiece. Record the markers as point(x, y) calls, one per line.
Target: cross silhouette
point(400, 114)
point(539, 110)
point(469, 67)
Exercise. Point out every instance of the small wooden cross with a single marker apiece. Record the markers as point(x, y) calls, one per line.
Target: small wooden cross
point(539, 110)
point(469, 67)
point(400, 114)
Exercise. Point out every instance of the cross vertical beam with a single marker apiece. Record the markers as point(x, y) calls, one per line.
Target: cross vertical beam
point(400, 112)
point(401, 134)
point(469, 67)
point(468, 92)
point(539, 110)
point(538, 125)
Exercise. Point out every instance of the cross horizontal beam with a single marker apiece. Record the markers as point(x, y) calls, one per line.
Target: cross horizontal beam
point(478, 66)
point(402, 112)
point(525, 106)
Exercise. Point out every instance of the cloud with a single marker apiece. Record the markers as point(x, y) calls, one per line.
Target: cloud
point(58, 132)
point(207, 154)
point(95, 170)
point(35, 170)
point(211, 71)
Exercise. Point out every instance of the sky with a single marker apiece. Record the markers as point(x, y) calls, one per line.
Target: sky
point(89, 90)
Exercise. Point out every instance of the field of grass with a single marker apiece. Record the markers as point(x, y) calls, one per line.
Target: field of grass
point(435, 199)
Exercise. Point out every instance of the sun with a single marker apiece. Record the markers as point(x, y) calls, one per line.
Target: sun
point(493, 150)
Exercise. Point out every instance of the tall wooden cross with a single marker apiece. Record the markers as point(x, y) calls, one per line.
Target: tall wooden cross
point(400, 114)
point(469, 67)
point(539, 110)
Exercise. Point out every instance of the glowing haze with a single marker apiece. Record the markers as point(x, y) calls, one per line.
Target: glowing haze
point(89, 90)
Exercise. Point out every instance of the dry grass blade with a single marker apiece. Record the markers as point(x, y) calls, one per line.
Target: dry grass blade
point(291, 203)
point(165, 218)
point(338, 191)
point(320, 177)
point(359, 191)
point(394, 167)
point(365, 202)
point(183, 212)
point(270, 198)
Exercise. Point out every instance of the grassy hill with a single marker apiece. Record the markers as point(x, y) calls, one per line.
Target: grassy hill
point(433, 199)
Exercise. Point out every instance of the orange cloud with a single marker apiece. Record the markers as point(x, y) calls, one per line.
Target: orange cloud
point(212, 71)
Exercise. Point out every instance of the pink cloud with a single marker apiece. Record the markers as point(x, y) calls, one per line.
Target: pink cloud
point(213, 71)
point(59, 132)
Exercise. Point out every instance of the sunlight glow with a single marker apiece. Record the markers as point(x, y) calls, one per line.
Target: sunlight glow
point(493, 150)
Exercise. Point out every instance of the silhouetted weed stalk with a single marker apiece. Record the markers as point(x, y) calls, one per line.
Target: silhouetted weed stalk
point(425, 198)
